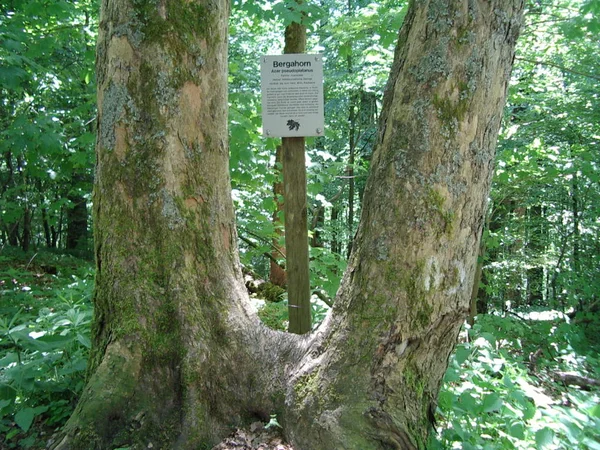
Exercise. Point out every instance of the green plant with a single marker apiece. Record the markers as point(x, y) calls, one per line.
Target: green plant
point(44, 343)
point(275, 315)
point(493, 398)
point(273, 422)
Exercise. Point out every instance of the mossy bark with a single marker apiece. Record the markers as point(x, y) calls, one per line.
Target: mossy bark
point(178, 356)
point(375, 377)
point(168, 343)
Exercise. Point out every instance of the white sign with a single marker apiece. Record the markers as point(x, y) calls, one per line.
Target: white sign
point(292, 95)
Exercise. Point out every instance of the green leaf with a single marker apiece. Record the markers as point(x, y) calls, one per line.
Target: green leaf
point(517, 430)
point(468, 403)
point(7, 393)
point(492, 402)
point(591, 444)
point(24, 418)
point(461, 354)
point(4, 404)
point(595, 411)
point(84, 340)
point(544, 437)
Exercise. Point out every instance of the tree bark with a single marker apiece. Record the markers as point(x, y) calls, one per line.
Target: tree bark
point(26, 236)
point(335, 242)
point(173, 362)
point(317, 225)
point(375, 380)
point(351, 160)
point(178, 356)
point(77, 222)
point(277, 274)
point(476, 281)
point(46, 226)
point(352, 132)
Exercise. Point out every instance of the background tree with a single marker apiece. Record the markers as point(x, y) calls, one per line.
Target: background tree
point(46, 84)
point(546, 180)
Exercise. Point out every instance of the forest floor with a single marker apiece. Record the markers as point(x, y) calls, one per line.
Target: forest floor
point(257, 437)
point(517, 380)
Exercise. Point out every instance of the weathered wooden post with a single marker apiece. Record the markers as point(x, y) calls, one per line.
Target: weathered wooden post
point(295, 208)
point(292, 101)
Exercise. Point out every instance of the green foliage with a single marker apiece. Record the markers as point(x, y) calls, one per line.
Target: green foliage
point(356, 63)
point(495, 397)
point(275, 315)
point(543, 234)
point(326, 270)
point(44, 342)
point(47, 111)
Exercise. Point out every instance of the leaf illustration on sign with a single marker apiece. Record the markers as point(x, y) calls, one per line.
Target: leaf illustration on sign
point(293, 125)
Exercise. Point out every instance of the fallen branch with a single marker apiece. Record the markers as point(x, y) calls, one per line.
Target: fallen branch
point(558, 66)
point(568, 378)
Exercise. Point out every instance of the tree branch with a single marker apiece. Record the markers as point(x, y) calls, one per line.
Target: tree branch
point(572, 379)
point(315, 211)
point(322, 296)
point(557, 66)
point(267, 254)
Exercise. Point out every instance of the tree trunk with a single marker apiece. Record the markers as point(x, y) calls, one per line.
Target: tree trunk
point(576, 242)
point(26, 236)
point(57, 231)
point(350, 171)
point(476, 281)
point(335, 242)
point(77, 222)
point(317, 225)
point(178, 358)
point(171, 363)
point(13, 233)
point(475, 297)
point(406, 291)
point(46, 226)
point(536, 241)
point(12, 227)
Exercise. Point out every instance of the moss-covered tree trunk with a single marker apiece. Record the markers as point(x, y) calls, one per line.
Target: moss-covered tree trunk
point(373, 380)
point(178, 357)
point(170, 365)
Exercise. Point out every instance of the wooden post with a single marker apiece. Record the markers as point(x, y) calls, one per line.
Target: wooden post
point(296, 226)
point(296, 234)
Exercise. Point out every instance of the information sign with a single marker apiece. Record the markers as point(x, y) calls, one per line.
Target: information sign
point(292, 95)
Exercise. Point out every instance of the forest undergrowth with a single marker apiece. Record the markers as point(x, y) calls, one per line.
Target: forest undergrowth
point(524, 379)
